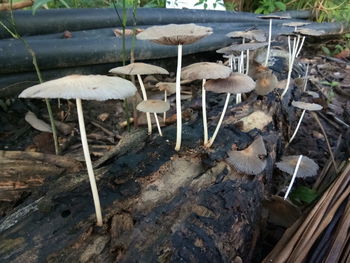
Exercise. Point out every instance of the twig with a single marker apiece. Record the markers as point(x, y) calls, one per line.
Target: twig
point(326, 138)
point(13, 6)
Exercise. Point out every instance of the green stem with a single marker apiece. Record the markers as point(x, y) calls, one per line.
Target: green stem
point(15, 34)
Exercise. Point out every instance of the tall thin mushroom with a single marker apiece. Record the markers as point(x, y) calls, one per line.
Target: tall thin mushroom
point(176, 35)
point(271, 17)
point(235, 83)
point(203, 71)
point(141, 69)
point(90, 87)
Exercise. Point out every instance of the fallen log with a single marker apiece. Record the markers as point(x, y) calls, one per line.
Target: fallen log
point(159, 205)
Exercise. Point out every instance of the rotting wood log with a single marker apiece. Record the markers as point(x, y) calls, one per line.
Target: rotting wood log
point(158, 205)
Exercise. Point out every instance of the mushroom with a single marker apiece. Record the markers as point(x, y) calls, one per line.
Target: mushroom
point(297, 166)
point(249, 160)
point(154, 106)
point(242, 47)
point(306, 76)
point(203, 71)
point(270, 17)
point(89, 87)
point(169, 89)
point(265, 83)
point(176, 35)
point(141, 69)
point(235, 83)
point(296, 48)
point(304, 106)
point(255, 35)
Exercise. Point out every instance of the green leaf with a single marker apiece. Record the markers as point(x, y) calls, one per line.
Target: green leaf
point(38, 4)
point(303, 194)
point(326, 50)
point(259, 10)
point(281, 6)
point(64, 3)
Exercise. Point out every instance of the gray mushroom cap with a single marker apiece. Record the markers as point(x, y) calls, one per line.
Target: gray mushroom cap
point(205, 70)
point(170, 87)
point(310, 32)
point(307, 167)
point(235, 83)
point(154, 106)
point(86, 87)
point(274, 17)
point(296, 24)
point(248, 160)
point(173, 34)
point(241, 47)
point(306, 106)
point(139, 69)
point(257, 35)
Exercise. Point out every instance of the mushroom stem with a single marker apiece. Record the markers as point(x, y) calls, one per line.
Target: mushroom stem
point(211, 141)
point(88, 163)
point(204, 112)
point(158, 126)
point(144, 95)
point(306, 77)
point(293, 177)
point(298, 125)
point(268, 45)
point(301, 46)
point(291, 63)
point(247, 67)
point(165, 99)
point(178, 99)
point(240, 70)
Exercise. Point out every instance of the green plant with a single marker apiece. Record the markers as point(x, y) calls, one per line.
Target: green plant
point(205, 3)
point(303, 195)
point(13, 32)
point(269, 6)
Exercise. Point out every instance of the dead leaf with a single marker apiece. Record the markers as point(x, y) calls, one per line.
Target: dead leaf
point(343, 54)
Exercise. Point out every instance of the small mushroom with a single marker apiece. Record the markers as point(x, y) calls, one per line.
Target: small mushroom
point(304, 106)
point(297, 166)
point(169, 88)
point(90, 87)
point(270, 17)
point(250, 160)
point(179, 35)
point(235, 83)
point(141, 69)
point(242, 47)
point(204, 71)
point(265, 83)
point(154, 106)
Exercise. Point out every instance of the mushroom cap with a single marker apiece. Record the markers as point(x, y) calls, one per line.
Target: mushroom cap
point(296, 24)
point(241, 47)
point(170, 87)
point(265, 83)
point(307, 167)
point(306, 106)
point(156, 106)
point(274, 17)
point(235, 83)
point(257, 35)
point(310, 32)
point(248, 160)
point(139, 69)
point(173, 34)
point(205, 70)
point(86, 87)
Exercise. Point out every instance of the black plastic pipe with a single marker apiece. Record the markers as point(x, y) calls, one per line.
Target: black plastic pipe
point(100, 46)
point(59, 20)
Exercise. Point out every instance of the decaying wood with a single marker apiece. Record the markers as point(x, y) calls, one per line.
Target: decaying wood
point(158, 205)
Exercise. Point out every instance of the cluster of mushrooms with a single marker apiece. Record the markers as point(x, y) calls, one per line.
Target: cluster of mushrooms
point(217, 78)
